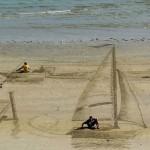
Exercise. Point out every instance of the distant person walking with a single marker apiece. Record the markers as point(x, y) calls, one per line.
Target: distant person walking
point(91, 123)
point(25, 68)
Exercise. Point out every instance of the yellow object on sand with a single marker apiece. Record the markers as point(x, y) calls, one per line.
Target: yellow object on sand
point(26, 68)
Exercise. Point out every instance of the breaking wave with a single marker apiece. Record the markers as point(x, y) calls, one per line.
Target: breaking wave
point(52, 12)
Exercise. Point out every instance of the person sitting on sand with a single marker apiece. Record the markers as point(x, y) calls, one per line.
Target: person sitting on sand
point(91, 123)
point(24, 68)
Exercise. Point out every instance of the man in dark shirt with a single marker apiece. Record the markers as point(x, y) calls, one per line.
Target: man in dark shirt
point(91, 123)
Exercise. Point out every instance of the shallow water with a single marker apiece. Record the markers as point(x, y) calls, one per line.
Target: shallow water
point(70, 19)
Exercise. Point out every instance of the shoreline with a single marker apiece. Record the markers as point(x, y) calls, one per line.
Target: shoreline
point(75, 35)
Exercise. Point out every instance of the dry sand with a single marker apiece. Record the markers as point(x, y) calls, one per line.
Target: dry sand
point(45, 108)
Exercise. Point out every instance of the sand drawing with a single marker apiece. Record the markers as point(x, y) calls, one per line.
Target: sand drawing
point(51, 102)
point(105, 106)
point(5, 105)
point(66, 62)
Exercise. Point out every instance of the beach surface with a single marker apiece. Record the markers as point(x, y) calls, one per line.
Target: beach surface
point(45, 103)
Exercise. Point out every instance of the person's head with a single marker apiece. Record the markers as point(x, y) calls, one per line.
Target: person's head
point(25, 63)
point(90, 117)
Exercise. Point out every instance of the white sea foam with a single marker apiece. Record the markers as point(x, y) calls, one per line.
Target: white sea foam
point(55, 12)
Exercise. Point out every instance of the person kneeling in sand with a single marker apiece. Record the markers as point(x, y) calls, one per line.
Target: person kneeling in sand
point(91, 123)
point(24, 68)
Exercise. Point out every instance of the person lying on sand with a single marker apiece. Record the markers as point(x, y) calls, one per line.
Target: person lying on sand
point(24, 68)
point(91, 123)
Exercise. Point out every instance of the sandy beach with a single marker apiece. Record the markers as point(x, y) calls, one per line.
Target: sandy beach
point(45, 104)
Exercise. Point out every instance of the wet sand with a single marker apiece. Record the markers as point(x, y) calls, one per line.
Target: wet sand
point(45, 108)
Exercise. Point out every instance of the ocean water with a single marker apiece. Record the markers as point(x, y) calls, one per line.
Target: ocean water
point(56, 20)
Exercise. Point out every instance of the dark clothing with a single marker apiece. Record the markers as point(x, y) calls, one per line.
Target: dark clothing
point(91, 122)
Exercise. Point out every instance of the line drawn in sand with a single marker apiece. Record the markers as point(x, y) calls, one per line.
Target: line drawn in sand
point(113, 83)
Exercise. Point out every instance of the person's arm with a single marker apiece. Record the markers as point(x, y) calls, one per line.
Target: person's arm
point(19, 68)
point(29, 68)
point(85, 122)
